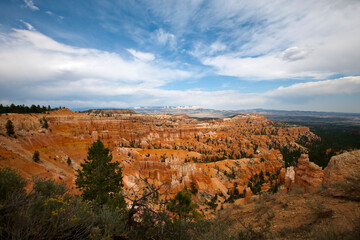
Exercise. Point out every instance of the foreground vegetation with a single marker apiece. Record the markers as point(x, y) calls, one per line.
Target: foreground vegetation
point(48, 211)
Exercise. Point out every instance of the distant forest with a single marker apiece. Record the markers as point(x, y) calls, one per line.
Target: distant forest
point(25, 109)
point(334, 140)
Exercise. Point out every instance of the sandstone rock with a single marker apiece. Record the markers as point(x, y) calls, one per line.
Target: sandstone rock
point(183, 150)
point(248, 194)
point(289, 177)
point(281, 177)
point(342, 166)
point(307, 174)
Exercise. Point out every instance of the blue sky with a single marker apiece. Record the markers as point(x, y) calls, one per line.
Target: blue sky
point(290, 55)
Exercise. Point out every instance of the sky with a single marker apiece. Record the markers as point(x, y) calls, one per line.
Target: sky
point(228, 54)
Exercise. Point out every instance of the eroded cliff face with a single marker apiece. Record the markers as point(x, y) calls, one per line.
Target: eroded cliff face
point(218, 156)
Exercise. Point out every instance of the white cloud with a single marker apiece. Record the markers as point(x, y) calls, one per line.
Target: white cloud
point(179, 14)
point(294, 53)
point(31, 56)
point(49, 13)
point(30, 4)
point(141, 55)
point(275, 39)
point(345, 85)
point(164, 37)
point(259, 68)
point(320, 62)
point(217, 47)
point(28, 25)
point(201, 50)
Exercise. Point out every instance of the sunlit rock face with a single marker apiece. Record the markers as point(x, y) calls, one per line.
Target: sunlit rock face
point(307, 174)
point(341, 167)
point(218, 156)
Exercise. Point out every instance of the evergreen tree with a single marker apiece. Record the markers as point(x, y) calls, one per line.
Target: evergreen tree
point(45, 123)
point(182, 204)
point(193, 188)
point(10, 128)
point(36, 156)
point(99, 179)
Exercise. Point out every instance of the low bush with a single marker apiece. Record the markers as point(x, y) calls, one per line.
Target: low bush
point(48, 187)
point(11, 182)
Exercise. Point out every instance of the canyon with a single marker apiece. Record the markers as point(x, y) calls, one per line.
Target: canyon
point(236, 156)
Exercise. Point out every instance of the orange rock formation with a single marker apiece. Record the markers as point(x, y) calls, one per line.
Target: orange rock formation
point(218, 155)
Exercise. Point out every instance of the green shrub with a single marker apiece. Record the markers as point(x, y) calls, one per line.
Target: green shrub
point(182, 204)
point(49, 188)
point(11, 182)
point(109, 222)
point(37, 217)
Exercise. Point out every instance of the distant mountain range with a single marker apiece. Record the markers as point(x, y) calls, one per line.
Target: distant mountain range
point(307, 118)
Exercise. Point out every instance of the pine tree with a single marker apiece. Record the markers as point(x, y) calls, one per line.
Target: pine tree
point(182, 204)
point(99, 179)
point(45, 123)
point(10, 128)
point(36, 156)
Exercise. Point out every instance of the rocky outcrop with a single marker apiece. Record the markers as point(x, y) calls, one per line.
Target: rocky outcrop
point(342, 176)
point(307, 174)
point(310, 176)
point(341, 167)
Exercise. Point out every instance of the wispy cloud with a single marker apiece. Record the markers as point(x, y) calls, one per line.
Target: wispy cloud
point(141, 55)
point(273, 39)
point(30, 4)
point(28, 25)
point(164, 37)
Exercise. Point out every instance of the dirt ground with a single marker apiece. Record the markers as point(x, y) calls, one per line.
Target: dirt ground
point(295, 215)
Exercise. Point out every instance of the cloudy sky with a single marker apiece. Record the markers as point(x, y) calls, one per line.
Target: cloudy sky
point(290, 55)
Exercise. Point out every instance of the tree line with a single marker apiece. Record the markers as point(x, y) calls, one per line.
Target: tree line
point(26, 109)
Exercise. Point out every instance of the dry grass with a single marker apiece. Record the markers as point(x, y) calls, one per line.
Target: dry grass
point(294, 216)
